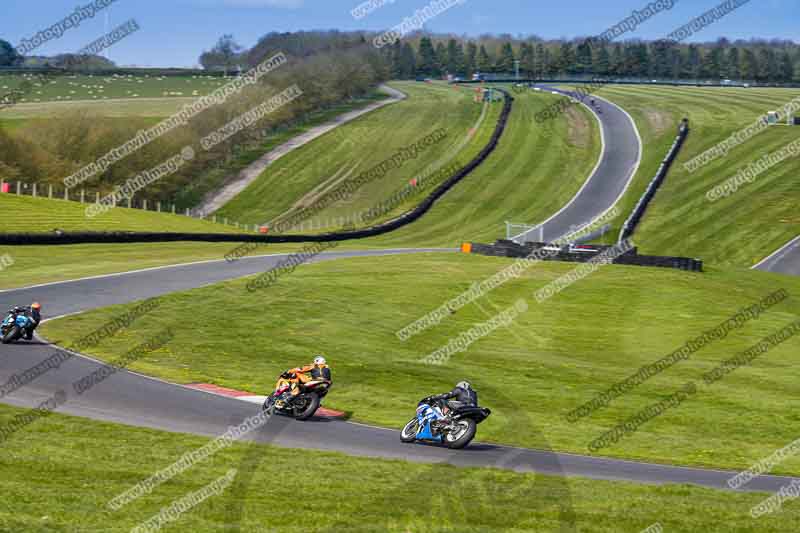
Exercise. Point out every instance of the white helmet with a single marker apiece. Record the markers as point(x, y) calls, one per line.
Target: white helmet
point(463, 385)
point(319, 360)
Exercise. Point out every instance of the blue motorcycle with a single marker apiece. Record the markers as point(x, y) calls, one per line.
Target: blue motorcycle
point(14, 326)
point(444, 423)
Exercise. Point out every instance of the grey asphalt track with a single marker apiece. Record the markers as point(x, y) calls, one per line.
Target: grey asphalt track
point(619, 162)
point(130, 398)
point(786, 260)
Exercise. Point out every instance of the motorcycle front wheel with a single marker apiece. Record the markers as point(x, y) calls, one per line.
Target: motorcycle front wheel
point(11, 335)
point(409, 433)
point(269, 405)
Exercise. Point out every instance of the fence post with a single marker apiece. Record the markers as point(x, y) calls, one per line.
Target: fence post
point(83, 195)
point(144, 205)
point(50, 191)
point(19, 188)
point(226, 221)
point(97, 197)
point(66, 193)
point(173, 209)
point(158, 206)
point(34, 190)
point(187, 211)
point(130, 198)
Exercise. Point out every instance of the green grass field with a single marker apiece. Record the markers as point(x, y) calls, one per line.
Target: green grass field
point(244, 155)
point(556, 356)
point(43, 264)
point(150, 108)
point(302, 175)
point(37, 215)
point(734, 232)
point(62, 471)
point(534, 171)
point(553, 358)
point(111, 97)
point(90, 87)
point(452, 220)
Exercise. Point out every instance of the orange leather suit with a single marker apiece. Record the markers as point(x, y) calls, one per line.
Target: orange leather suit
point(305, 374)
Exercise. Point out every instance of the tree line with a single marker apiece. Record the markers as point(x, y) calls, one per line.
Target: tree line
point(775, 61)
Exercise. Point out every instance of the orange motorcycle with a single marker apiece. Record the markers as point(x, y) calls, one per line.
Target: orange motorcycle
point(302, 405)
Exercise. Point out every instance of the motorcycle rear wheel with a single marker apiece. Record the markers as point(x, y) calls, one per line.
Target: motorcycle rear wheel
point(409, 432)
point(12, 335)
point(463, 437)
point(310, 409)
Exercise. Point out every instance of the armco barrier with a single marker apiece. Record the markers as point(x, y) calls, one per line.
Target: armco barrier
point(504, 248)
point(638, 212)
point(403, 220)
point(614, 81)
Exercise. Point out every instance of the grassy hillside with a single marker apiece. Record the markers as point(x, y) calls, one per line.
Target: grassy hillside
point(62, 471)
point(534, 171)
point(37, 215)
point(117, 108)
point(110, 97)
point(737, 231)
point(556, 356)
point(90, 87)
point(361, 145)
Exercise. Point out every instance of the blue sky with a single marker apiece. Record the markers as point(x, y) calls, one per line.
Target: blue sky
point(174, 32)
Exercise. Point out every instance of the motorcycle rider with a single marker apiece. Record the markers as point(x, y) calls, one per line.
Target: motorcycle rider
point(33, 313)
point(464, 394)
point(319, 369)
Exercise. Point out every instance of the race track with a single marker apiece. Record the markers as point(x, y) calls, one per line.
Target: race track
point(130, 398)
point(786, 260)
point(622, 149)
